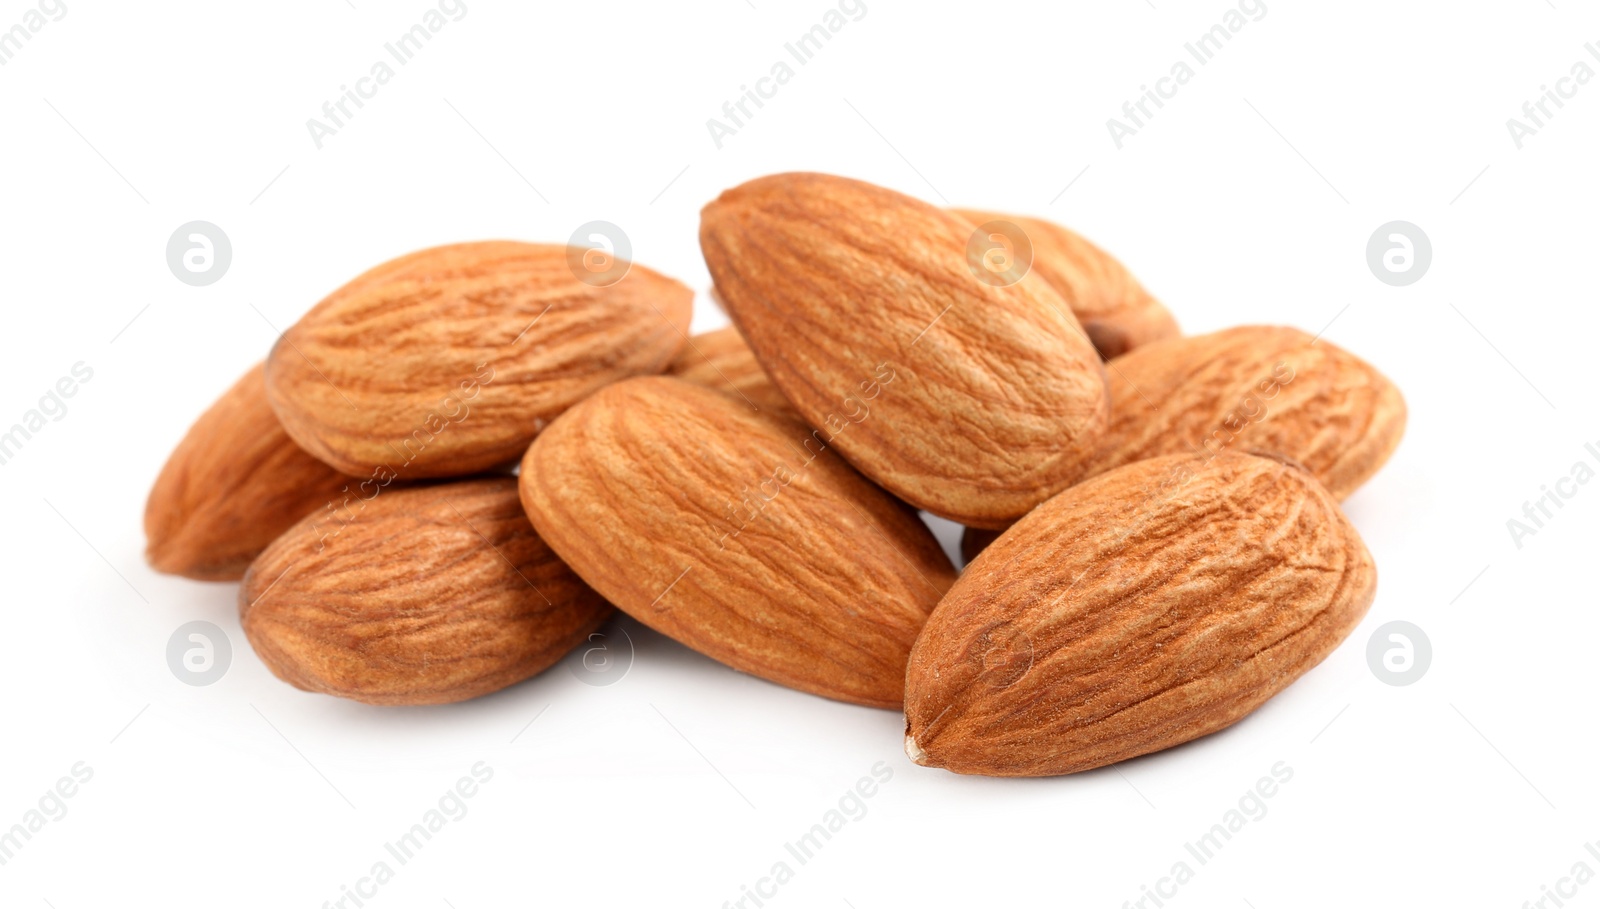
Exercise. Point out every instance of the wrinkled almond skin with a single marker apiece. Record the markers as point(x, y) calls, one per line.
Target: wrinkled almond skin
point(427, 595)
point(720, 359)
point(1334, 414)
point(1116, 311)
point(449, 361)
point(1255, 388)
point(233, 485)
point(738, 534)
point(1138, 610)
point(972, 400)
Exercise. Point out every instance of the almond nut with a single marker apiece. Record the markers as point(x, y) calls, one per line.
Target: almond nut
point(450, 360)
point(1254, 388)
point(1148, 606)
point(233, 485)
point(424, 595)
point(739, 534)
point(972, 399)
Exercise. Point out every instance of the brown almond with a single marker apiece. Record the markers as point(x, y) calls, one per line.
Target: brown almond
point(739, 534)
point(1254, 388)
point(424, 595)
point(233, 485)
point(722, 360)
point(1116, 311)
point(450, 360)
point(1151, 605)
point(973, 397)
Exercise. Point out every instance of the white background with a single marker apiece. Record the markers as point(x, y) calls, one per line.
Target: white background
point(1249, 198)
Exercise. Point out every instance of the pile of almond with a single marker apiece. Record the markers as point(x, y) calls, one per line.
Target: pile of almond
point(1155, 539)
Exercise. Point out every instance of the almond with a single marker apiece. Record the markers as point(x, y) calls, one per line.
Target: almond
point(722, 360)
point(425, 595)
point(1146, 607)
point(738, 533)
point(1116, 311)
point(450, 360)
point(233, 484)
point(970, 398)
point(1254, 387)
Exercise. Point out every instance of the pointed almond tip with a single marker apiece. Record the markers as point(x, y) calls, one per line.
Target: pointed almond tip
point(915, 752)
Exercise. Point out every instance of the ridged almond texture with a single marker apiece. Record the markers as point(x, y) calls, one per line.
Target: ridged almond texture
point(427, 595)
point(1115, 309)
point(973, 400)
point(233, 484)
point(722, 360)
point(739, 534)
point(450, 360)
point(1255, 388)
point(1143, 608)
